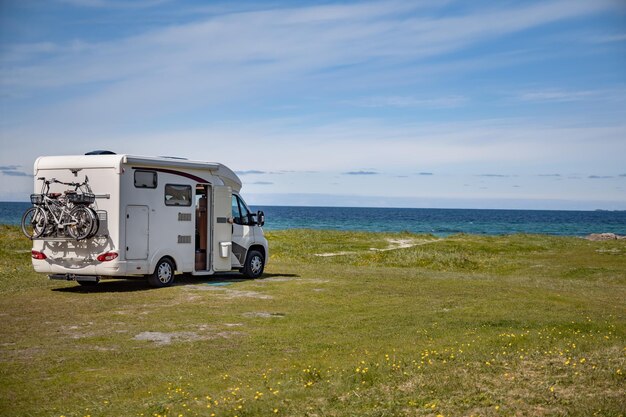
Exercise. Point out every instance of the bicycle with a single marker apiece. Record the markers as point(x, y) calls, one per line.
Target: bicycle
point(64, 214)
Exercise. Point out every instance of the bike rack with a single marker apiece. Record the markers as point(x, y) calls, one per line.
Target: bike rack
point(54, 239)
point(67, 238)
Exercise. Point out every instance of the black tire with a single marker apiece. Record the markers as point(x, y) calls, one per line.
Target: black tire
point(82, 223)
point(34, 222)
point(255, 262)
point(96, 222)
point(163, 275)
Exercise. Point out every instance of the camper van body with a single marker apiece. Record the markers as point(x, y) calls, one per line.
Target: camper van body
point(151, 210)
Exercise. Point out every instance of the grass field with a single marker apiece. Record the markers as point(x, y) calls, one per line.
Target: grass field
point(390, 325)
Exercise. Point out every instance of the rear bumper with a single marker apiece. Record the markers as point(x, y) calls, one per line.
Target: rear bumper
point(85, 269)
point(73, 277)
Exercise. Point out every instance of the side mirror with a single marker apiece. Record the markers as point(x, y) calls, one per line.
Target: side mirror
point(260, 218)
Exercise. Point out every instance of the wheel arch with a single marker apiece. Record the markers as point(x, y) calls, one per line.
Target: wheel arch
point(157, 259)
point(259, 248)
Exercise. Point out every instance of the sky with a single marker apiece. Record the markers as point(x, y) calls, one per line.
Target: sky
point(481, 104)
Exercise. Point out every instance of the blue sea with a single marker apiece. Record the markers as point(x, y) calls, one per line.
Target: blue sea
point(441, 222)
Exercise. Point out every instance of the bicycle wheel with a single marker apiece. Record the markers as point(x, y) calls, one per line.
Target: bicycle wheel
point(96, 222)
point(34, 222)
point(81, 223)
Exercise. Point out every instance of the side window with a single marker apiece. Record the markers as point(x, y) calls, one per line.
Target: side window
point(245, 213)
point(235, 208)
point(240, 211)
point(177, 195)
point(145, 179)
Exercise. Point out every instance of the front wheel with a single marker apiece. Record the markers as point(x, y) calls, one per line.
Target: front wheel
point(163, 275)
point(255, 262)
point(34, 222)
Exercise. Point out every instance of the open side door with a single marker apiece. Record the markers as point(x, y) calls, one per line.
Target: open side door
point(222, 230)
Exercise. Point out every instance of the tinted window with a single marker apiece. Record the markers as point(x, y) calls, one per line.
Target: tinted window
point(177, 195)
point(145, 179)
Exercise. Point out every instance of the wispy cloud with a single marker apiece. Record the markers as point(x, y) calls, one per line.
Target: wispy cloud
point(619, 37)
point(557, 95)
point(252, 48)
point(549, 175)
point(275, 78)
point(600, 177)
point(12, 171)
point(249, 172)
point(399, 146)
point(553, 95)
point(425, 173)
point(494, 175)
point(360, 173)
point(101, 4)
point(409, 101)
point(262, 183)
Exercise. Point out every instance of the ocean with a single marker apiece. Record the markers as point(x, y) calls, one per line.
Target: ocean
point(440, 222)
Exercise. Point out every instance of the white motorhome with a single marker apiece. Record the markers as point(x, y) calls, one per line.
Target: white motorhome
point(156, 216)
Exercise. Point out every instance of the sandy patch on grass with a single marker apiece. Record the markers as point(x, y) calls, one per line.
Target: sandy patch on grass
point(393, 244)
point(263, 314)
point(78, 331)
point(397, 244)
point(247, 294)
point(279, 279)
point(262, 282)
point(228, 293)
point(163, 338)
point(610, 251)
point(334, 254)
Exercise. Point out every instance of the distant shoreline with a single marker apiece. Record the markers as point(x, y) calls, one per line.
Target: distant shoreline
point(438, 222)
point(407, 208)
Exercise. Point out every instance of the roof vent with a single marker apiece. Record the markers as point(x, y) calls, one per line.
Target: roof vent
point(100, 152)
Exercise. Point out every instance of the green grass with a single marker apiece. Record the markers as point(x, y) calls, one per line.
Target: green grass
point(467, 325)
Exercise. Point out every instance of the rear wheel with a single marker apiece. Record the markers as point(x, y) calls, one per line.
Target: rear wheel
point(34, 222)
point(163, 275)
point(255, 262)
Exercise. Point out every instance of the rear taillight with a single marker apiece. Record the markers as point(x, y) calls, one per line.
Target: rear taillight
point(37, 255)
point(107, 256)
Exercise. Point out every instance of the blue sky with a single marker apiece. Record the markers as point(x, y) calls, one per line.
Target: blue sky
point(420, 104)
